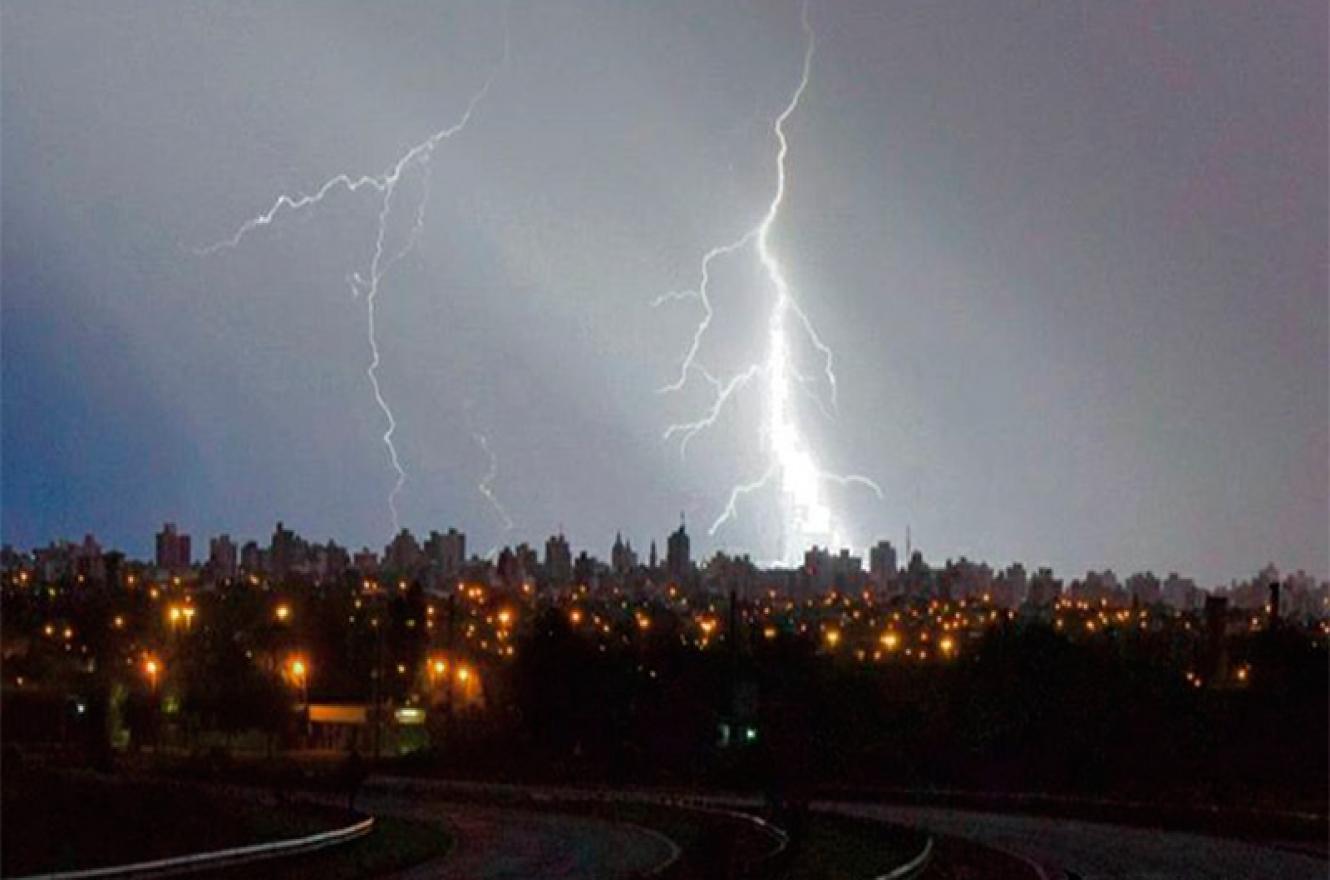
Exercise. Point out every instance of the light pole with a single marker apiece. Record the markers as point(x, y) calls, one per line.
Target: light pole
point(438, 671)
point(152, 667)
point(300, 673)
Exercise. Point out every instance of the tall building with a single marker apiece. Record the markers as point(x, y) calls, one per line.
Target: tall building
point(1181, 593)
point(515, 566)
point(447, 552)
point(403, 554)
point(826, 569)
point(678, 555)
point(1010, 587)
point(882, 564)
point(366, 561)
point(172, 549)
point(222, 558)
point(622, 558)
point(251, 558)
point(287, 553)
point(586, 571)
point(1144, 588)
point(330, 560)
point(558, 560)
point(88, 561)
point(1045, 589)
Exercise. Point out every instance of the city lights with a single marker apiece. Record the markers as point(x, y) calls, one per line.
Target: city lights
point(152, 668)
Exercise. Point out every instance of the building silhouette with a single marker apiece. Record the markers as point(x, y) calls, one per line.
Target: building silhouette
point(882, 564)
point(678, 553)
point(223, 557)
point(558, 560)
point(172, 549)
point(446, 552)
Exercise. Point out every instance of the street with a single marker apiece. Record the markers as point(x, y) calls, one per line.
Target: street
point(496, 843)
point(1075, 850)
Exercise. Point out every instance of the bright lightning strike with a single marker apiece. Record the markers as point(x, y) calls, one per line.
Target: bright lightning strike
point(806, 516)
point(486, 484)
point(386, 186)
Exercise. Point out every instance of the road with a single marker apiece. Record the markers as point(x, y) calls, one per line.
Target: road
point(1075, 850)
point(498, 843)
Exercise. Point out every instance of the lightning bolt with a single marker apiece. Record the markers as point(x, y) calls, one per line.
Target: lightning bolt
point(805, 514)
point(486, 485)
point(385, 185)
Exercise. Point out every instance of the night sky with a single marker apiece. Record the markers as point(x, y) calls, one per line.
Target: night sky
point(1071, 259)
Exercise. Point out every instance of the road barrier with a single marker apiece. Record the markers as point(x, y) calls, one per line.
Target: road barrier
point(221, 858)
point(914, 867)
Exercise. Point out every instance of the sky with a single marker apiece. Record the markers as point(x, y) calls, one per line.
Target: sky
point(1071, 260)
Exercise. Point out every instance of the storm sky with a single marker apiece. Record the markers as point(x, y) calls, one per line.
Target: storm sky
point(1071, 259)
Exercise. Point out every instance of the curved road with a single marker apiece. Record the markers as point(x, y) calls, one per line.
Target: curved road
point(1065, 849)
point(496, 843)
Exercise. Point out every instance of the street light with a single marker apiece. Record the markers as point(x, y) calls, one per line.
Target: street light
point(282, 613)
point(300, 674)
point(152, 668)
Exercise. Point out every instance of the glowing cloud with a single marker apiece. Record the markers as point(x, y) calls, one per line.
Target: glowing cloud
point(806, 516)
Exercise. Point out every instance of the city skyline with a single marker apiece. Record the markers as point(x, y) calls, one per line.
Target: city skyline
point(1075, 292)
point(441, 557)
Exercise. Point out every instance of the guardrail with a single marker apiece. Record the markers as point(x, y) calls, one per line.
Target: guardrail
point(221, 858)
point(914, 867)
point(732, 806)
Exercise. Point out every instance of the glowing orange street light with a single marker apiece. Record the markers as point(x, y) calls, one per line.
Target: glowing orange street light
point(463, 674)
point(890, 641)
point(152, 668)
point(282, 613)
point(299, 671)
